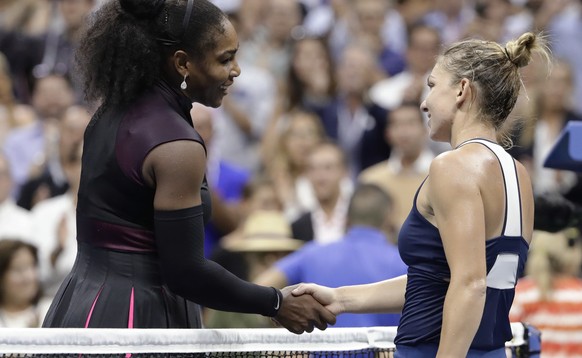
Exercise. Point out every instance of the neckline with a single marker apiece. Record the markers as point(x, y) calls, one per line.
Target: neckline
point(474, 139)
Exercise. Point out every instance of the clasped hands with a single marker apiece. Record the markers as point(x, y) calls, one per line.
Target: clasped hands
point(307, 306)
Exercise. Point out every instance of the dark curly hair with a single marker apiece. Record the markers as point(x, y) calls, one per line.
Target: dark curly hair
point(125, 46)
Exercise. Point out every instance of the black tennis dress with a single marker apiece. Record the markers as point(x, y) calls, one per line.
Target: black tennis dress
point(116, 281)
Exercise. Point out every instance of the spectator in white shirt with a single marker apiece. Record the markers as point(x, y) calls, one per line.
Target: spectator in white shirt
point(14, 220)
point(327, 172)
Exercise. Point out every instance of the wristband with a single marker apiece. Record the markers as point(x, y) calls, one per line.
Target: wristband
point(278, 302)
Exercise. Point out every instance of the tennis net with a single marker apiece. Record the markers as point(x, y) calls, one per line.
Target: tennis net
point(186, 343)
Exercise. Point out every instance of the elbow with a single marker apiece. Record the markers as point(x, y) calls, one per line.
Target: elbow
point(475, 286)
point(478, 287)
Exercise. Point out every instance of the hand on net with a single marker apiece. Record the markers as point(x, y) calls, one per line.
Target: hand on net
point(325, 295)
point(302, 313)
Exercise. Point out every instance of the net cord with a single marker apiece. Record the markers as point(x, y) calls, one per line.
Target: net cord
point(111, 341)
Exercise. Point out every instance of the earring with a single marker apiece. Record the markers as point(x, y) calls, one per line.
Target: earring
point(184, 85)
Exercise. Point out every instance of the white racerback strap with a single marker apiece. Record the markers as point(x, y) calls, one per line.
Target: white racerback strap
point(512, 225)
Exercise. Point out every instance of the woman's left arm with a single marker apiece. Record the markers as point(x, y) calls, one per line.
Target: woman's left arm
point(455, 197)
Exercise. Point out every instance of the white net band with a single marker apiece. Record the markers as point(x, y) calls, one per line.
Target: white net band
point(113, 341)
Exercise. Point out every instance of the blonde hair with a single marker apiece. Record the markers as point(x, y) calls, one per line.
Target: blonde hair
point(553, 254)
point(494, 70)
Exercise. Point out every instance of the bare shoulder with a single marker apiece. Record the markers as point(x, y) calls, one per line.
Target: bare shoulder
point(180, 156)
point(175, 170)
point(453, 166)
point(468, 169)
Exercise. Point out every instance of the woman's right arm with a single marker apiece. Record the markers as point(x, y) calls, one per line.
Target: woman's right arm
point(380, 297)
point(176, 170)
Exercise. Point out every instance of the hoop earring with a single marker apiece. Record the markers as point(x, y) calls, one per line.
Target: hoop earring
point(184, 85)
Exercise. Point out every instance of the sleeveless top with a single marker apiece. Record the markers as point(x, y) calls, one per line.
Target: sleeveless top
point(421, 248)
point(115, 206)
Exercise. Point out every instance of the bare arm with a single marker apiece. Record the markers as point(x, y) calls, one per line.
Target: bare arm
point(384, 296)
point(458, 209)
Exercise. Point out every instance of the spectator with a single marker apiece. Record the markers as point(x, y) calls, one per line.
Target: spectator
point(550, 296)
point(497, 20)
point(29, 17)
point(21, 303)
point(370, 17)
point(285, 160)
point(423, 47)
point(310, 82)
point(409, 162)
point(450, 17)
point(22, 23)
point(48, 178)
point(14, 221)
point(259, 194)
point(12, 114)
point(351, 119)
point(243, 118)
point(27, 146)
point(562, 21)
point(54, 229)
point(58, 45)
point(328, 176)
point(270, 45)
point(363, 255)
point(555, 109)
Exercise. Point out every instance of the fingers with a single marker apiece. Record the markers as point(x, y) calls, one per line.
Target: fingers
point(320, 316)
point(303, 313)
point(327, 316)
point(320, 324)
point(302, 289)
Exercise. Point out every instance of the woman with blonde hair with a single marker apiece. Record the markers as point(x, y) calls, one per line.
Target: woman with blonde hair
point(467, 236)
point(299, 133)
point(550, 296)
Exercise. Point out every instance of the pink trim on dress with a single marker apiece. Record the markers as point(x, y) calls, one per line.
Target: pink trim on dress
point(130, 318)
point(92, 308)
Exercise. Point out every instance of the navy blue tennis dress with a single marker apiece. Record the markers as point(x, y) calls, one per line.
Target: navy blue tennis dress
point(421, 248)
point(116, 280)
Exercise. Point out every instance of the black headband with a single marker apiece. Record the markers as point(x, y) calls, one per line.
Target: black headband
point(187, 15)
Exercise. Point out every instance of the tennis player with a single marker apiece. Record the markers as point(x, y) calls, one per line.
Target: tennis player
point(467, 236)
point(142, 198)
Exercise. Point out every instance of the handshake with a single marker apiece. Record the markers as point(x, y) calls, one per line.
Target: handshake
point(307, 306)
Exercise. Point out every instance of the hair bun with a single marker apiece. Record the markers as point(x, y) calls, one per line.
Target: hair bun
point(142, 9)
point(519, 51)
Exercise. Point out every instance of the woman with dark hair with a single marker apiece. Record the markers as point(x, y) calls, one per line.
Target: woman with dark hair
point(141, 209)
point(20, 291)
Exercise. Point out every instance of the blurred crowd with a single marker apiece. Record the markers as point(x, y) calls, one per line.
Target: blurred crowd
point(327, 102)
